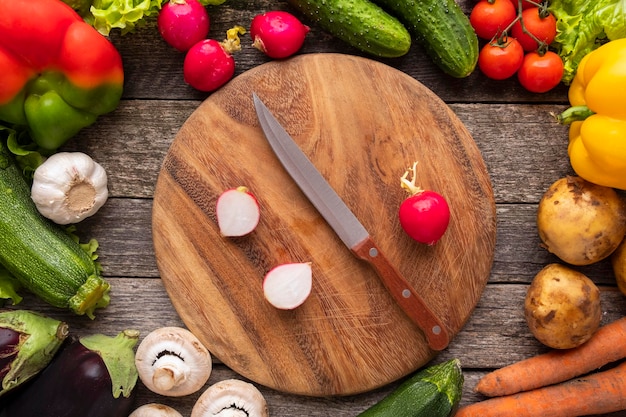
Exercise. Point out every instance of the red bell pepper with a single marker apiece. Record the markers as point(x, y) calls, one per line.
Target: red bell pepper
point(57, 73)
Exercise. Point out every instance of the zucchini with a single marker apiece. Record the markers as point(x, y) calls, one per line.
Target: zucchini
point(442, 28)
point(360, 23)
point(432, 392)
point(41, 255)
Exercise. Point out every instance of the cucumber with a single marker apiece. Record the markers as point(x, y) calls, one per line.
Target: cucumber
point(40, 254)
point(360, 23)
point(432, 392)
point(442, 28)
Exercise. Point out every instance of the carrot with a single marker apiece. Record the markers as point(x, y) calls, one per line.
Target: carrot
point(607, 345)
point(599, 393)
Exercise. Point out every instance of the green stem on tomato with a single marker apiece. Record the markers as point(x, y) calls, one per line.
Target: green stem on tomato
point(500, 39)
point(542, 47)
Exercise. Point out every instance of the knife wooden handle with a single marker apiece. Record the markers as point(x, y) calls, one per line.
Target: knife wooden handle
point(404, 294)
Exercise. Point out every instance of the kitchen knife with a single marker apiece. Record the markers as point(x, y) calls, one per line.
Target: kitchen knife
point(348, 227)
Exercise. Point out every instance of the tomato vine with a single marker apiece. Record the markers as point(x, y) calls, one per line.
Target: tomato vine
point(533, 27)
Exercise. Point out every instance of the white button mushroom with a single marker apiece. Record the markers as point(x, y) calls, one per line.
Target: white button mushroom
point(68, 187)
point(231, 398)
point(155, 410)
point(171, 361)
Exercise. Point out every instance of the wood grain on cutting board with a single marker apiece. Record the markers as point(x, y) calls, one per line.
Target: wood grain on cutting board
point(362, 124)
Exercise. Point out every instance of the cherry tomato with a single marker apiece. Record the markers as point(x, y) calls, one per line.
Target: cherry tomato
point(543, 26)
point(540, 73)
point(490, 18)
point(501, 61)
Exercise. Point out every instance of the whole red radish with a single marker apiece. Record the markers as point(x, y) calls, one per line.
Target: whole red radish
point(424, 215)
point(183, 23)
point(278, 34)
point(209, 64)
point(237, 212)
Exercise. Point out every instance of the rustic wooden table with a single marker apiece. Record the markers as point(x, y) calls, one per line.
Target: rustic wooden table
point(523, 148)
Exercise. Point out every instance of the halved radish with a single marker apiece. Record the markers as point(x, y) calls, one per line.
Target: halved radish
point(237, 212)
point(287, 286)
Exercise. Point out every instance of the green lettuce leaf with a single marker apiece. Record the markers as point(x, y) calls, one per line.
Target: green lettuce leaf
point(124, 15)
point(583, 26)
point(26, 153)
point(9, 286)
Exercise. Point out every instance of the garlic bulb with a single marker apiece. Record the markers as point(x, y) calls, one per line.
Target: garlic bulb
point(68, 187)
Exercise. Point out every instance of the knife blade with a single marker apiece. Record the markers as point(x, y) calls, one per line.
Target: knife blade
point(347, 226)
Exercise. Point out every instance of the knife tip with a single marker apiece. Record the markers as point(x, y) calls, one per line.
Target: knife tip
point(258, 103)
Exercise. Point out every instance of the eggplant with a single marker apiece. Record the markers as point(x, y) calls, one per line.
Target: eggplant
point(28, 342)
point(92, 376)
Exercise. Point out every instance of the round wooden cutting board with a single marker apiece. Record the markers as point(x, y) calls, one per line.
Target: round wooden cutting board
point(362, 123)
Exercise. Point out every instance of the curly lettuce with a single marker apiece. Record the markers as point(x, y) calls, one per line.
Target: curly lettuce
point(583, 26)
point(106, 15)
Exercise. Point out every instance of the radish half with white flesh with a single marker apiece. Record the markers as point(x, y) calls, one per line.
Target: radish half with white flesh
point(287, 286)
point(237, 212)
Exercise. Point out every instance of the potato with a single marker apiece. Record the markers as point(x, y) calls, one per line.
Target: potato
point(580, 222)
point(562, 307)
point(618, 262)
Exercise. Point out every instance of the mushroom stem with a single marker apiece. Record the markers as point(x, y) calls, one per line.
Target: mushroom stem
point(169, 372)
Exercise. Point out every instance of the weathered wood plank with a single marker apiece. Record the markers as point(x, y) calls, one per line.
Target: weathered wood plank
point(131, 142)
point(494, 336)
point(524, 148)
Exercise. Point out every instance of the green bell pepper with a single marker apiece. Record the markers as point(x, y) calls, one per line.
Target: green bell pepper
point(57, 73)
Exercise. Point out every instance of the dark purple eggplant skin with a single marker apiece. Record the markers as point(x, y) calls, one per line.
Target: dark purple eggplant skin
point(9, 347)
point(75, 384)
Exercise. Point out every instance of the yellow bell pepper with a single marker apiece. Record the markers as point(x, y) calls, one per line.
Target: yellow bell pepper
point(597, 135)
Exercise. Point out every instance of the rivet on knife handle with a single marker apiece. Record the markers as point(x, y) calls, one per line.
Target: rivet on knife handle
point(404, 294)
